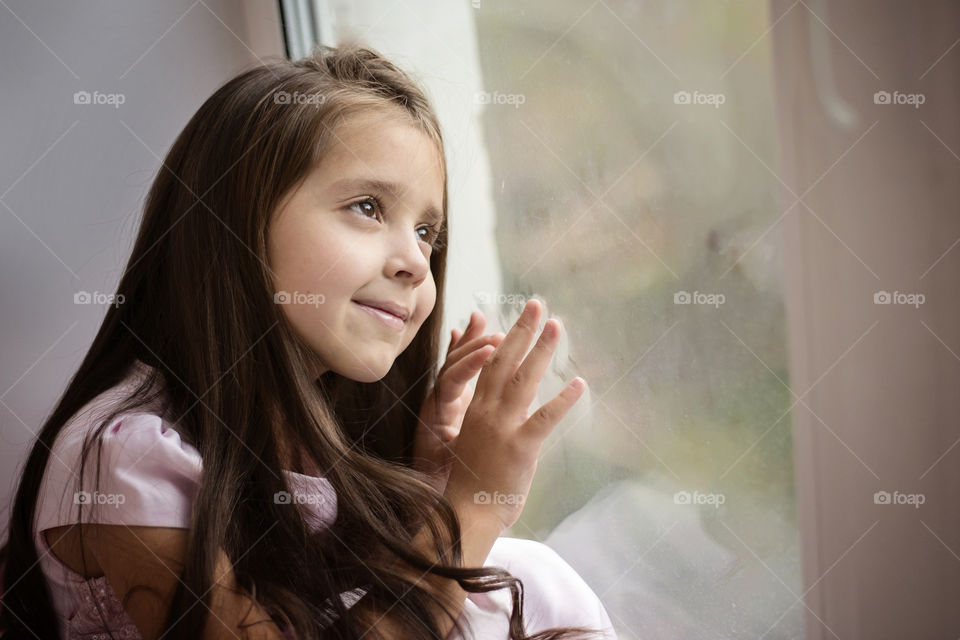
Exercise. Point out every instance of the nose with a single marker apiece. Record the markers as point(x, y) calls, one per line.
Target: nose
point(407, 259)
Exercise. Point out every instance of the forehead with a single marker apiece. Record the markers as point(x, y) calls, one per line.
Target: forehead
point(384, 145)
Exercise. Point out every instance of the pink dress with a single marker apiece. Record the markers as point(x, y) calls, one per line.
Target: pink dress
point(149, 477)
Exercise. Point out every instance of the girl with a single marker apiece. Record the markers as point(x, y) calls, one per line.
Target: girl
point(259, 443)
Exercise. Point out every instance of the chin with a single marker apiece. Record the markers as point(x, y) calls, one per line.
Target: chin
point(367, 371)
point(367, 377)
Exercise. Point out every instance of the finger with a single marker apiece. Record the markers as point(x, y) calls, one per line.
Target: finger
point(474, 327)
point(468, 366)
point(448, 434)
point(456, 335)
point(507, 356)
point(438, 435)
point(460, 373)
point(544, 419)
point(467, 396)
point(466, 348)
point(522, 385)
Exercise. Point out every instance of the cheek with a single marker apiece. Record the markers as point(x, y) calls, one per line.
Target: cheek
point(307, 261)
point(321, 269)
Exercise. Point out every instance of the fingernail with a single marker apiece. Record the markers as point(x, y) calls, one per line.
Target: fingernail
point(577, 383)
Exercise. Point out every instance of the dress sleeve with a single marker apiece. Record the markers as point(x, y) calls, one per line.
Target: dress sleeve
point(148, 476)
point(554, 595)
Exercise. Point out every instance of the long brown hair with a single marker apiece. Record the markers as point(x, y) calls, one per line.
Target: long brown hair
point(198, 309)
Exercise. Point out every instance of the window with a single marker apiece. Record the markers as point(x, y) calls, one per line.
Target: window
point(615, 159)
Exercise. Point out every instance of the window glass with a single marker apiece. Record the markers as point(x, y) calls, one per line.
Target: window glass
point(632, 150)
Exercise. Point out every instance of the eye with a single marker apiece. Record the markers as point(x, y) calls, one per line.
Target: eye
point(433, 232)
point(369, 201)
point(370, 205)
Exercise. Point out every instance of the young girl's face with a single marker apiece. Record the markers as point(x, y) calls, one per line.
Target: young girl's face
point(340, 245)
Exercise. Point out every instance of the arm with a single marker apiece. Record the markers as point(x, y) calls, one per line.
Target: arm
point(479, 530)
point(153, 557)
point(144, 564)
point(499, 443)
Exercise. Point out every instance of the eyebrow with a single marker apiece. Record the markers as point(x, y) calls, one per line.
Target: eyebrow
point(383, 186)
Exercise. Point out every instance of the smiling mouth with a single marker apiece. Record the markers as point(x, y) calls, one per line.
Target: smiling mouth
point(385, 317)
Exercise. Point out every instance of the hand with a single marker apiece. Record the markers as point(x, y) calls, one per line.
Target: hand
point(496, 452)
point(446, 403)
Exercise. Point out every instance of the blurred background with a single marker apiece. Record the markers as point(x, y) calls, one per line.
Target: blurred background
point(743, 211)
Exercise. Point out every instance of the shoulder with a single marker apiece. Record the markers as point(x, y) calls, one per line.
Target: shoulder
point(138, 471)
point(141, 445)
point(555, 594)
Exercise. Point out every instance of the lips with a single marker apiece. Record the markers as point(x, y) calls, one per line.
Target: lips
point(392, 308)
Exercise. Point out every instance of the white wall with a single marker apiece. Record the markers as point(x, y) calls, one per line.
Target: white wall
point(73, 176)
